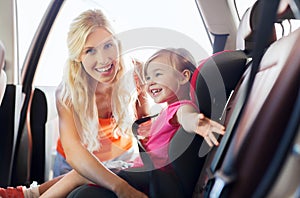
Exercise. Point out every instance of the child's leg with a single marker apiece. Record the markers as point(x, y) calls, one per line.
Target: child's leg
point(64, 186)
point(45, 186)
point(138, 180)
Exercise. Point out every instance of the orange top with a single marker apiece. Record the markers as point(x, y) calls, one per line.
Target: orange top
point(111, 147)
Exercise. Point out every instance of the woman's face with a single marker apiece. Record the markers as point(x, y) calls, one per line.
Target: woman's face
point(162, 81)
point(99, 56)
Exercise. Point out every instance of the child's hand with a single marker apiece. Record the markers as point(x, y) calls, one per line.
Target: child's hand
point(207, 127)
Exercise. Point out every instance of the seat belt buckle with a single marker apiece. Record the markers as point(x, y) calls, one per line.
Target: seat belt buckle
point(218, 185)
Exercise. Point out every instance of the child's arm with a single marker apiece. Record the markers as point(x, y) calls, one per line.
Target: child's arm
point(192, 121)
point(64, 186)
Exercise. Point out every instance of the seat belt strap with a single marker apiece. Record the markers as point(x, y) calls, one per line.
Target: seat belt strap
point(219, 42)
point(144, 155)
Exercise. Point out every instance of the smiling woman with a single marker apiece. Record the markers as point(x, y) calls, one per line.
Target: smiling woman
point(142, 29)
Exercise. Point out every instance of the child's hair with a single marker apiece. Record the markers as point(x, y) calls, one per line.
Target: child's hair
point(179, 58)
point(78, 92)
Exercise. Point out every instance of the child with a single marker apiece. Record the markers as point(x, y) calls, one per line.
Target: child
point(167, 74)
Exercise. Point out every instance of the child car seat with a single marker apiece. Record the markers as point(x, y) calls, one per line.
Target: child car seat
point(184, 147)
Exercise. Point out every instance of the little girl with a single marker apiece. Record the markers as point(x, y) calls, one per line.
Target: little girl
point(167, 74)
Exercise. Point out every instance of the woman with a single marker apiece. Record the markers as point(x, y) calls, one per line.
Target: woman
point(97, 102)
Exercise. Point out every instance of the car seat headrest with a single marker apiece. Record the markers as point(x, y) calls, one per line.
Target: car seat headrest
point(215, 78)
point(249, 24)
point(248, 27)
point(284, 14)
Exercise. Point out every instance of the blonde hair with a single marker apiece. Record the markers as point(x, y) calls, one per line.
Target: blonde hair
point(78, 87)
point(178, 58)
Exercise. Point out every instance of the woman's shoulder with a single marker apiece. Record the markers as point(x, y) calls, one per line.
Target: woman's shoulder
point(58, 89)
point(60, 98)
point(59, 92)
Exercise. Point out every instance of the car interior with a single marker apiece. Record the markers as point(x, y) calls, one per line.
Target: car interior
point(252, 88)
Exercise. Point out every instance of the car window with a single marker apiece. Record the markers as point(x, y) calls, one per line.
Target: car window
point(177, 20)
point(28, 20)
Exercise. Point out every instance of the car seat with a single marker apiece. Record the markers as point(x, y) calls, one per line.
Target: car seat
point(7, 116)
point(264, 121)
point(252, 148)
point(184, 147)
point(245, 44)
point(29, 164)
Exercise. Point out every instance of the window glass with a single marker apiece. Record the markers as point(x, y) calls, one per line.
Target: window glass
point(28, 21)
point(142, 25)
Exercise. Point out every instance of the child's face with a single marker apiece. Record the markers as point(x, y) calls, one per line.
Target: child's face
point(162, 81)
point(100, 56)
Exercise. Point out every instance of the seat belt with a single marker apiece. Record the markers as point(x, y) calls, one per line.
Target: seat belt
point(219, 42)
point(295, 6)
point(267, 14)
point(144, 155)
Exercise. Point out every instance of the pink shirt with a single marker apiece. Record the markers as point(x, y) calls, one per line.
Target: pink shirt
point(161, 133)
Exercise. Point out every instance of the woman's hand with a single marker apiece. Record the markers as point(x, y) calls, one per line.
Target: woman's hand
point(207, 127)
